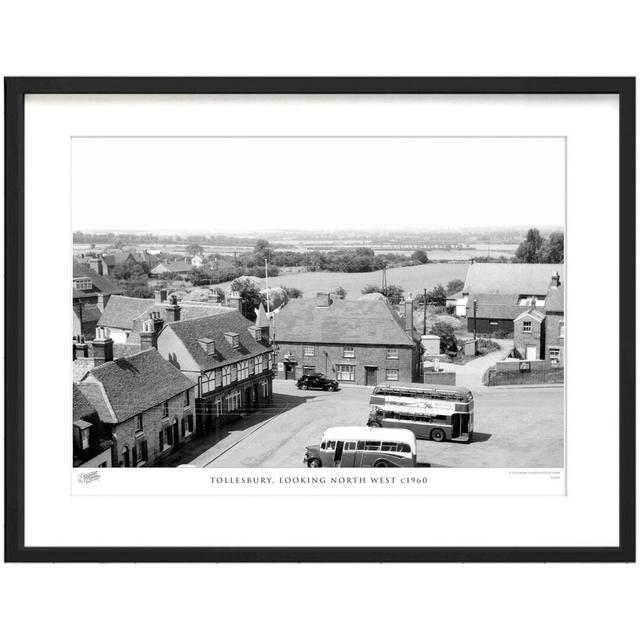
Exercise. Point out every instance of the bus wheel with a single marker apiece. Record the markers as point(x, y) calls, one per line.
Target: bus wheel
point(437, 435)
point(314, 463)
point(373, 424)
point(381, 463)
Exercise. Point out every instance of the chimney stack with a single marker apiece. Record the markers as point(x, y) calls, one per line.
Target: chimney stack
point(80, 348)
point(235, 301)
point(158, 322)
point(408, 315)
point(555, 280)
point(323, 299)
point(148, 336)
point(161, 295)
point(102, 347)
point(173, 310)
point(96, 265)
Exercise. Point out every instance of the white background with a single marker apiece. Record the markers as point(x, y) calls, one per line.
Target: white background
point(328, 38)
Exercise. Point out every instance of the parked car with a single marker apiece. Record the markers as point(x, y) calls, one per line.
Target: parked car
point(363, 447)
point(317, 381)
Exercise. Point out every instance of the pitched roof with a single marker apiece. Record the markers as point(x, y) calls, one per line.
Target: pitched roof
point(554, 301)
point(498, 307)
point(114, 259)
point(99, 283)
point(127, 386)
point(120, 350)
point(343, 321)
point(214, 327)
point(505, 278)
point(531, 313)
point(173, 267)
point(81, 406)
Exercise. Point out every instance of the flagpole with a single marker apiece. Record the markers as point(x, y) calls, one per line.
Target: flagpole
point(266, 277)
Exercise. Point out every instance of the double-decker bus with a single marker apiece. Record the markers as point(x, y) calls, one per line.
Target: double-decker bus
point(439, 413)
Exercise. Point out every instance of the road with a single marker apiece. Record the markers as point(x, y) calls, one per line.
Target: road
point(514, 427)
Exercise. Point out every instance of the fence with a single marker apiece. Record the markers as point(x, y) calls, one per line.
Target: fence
point(523, 372)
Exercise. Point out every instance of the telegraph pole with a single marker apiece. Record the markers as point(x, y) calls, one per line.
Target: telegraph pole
point(424, 321)
point(475, 310)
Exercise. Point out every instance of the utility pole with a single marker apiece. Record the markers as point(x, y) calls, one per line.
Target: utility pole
point(424, 321)
point(475, 311)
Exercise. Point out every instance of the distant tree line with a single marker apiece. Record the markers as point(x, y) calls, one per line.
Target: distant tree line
point(537, 249)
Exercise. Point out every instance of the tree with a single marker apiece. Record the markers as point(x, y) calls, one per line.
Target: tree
point(437, 296)
point(530, 248)
point(420, 256)
point(448, 342)
point(454, 286)
point(371, 288)
point(293, 292)
point(393, 292)
point(194, 250)
point(200, 277)
point(340, 292)
point(553, 248)
point(249, 294)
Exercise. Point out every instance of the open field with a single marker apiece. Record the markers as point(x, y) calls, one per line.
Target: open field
point(411, 279)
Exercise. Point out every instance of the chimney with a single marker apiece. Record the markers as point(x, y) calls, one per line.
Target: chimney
point(161, 295)
point(96, 265)
point(102, 347)
point(323, 299)
point(235, 301)
point(408, 315)
point(158, 322)
point(80, 348)
point(173, 310)
point(148, 336)
point(555, 280)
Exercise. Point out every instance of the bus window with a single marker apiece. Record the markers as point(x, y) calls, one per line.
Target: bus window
point(372, 446)
point(389, 446)
point(331, 445)
point(361, 444)
point(404, 448)
point(350, 446)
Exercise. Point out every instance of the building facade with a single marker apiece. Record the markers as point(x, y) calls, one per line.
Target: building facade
point(354, 341)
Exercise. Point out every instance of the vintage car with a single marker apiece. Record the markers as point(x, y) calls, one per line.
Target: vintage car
point(363, 447)
point(317, 381)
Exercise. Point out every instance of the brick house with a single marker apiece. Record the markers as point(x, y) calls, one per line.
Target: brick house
point(539, 334)
point(229, 359)
point(354, 341)
point(146, 404)
point(91, 441)
point(90, 295)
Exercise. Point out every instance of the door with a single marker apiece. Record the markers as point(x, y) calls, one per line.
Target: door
point(337, 456)
point(349, 454)
point(176, 433)
point(289, 371)
point(371, 376)
point(532, 353)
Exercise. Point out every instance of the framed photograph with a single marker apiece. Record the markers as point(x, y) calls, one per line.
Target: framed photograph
point(320, 319)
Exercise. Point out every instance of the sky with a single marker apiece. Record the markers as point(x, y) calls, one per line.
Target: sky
point(236, 184)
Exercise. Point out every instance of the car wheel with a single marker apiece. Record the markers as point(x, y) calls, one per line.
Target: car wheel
point(437, 435)
point(381, 463)
point(303, 387)
point(314, 463)
point(332, 388)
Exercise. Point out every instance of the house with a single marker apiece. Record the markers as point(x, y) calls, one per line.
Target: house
point(228, 358)
point(91, 293)
point(143, 401)
point(457, 303)
point(539, 333)
point(113, 260)
point(172, 269)
point(91, 442)
point(355, 341)
point(502, 291)
point(123, 316)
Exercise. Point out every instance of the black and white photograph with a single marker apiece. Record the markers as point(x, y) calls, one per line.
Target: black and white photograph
point(318, 301)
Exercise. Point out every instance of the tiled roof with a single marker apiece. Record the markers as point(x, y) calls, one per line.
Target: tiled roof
point(127, 386)
point(120, 350)
point(531, 313)
point(506, 278)
point(100, 284)
point(555, 299)
point(343, 321)
point(114, 259)
point(173, 267)
point(81, 406)
point(498, 307)
point(121, 311)
point(214, 327)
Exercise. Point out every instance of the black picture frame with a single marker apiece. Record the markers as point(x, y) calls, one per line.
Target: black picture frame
point(15, 91)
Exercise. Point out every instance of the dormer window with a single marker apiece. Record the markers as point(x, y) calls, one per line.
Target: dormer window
point(83, 284)
point(208, 346)
point(233, 339)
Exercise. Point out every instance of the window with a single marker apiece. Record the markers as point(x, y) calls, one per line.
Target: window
point(189, 423)
point(252, 366)
point(269, 360)
point(165, 409)
point(161, 440)
point(243, 370)
point(186, 398)
point(526, 326)
point(234, 372)
point(346, 372)
point(561, 329)
point(308, 371)
point(350, 446)
point(218, 378)
point(82, 284)
point(85, 438)
point(183, 427)
point(226, 376)
point(218, 406)
point(393, 374)
point(554, 355)
point(139, 425)
point(257, 362)
point(233, 401)
point(265, 388)
point(348, 352)
point(392, 354)
point(309, 350)
point(168, 435)
point(143, 450)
